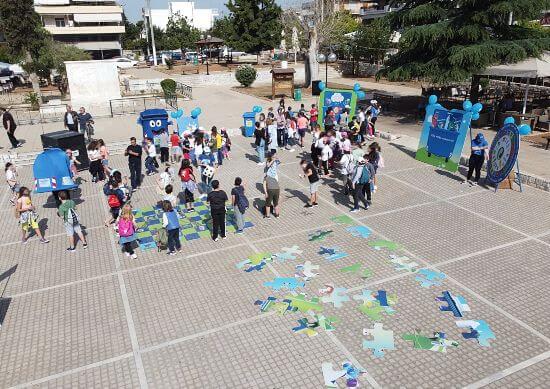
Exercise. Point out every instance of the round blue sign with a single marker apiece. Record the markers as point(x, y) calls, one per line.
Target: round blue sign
point(503, 153)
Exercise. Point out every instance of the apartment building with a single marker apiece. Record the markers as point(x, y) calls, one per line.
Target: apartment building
point(365, 10)
point(92, 25)
point(201, 18)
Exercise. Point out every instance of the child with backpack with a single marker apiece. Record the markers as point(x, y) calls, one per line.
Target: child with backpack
point(127, 228)
point(71, 220)
point(206, 164)
point(240, 204)
point(170, 221)
point(347, 167)
point(115, 200)
point(188, 184)
point(226, 144)
point(375, 158)
point(361, 184)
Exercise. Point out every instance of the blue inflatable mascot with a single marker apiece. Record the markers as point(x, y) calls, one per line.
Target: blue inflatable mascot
point(186, 123)
point(153, 122)
point(52, 171)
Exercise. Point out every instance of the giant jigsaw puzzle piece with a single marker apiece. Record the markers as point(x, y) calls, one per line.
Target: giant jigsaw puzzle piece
point(437, 343)
point(382, 340)
point(332, 254)
point(271, 304)
point(319, 235)
point(429, 277)
point(330, 375)
point(479, 329)
point(289, 283)
point(360, 231)
point(302, 304)
point(383, 244)
point(306, 271)
point(337, 297)
point(403, 263)
point(304, 327)
point(288, 253)
point(455, 304)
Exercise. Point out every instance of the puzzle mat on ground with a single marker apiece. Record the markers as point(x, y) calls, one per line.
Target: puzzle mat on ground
point(193, 225)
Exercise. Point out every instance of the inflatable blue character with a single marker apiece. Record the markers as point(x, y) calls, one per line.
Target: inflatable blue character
point(153, 121)
point(52, 172)
point(186, 124)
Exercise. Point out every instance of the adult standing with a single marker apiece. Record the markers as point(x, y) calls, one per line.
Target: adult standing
point(479, 153)
point(164, 140)
point(133, 152)
point(83, 119)
point(70, 119)
point(217, 199)
point(96, 168)
point(259, 135)
point(240, 203)
point(375, 110)
point(271, 186)
point(361, 184)
point(9, 126)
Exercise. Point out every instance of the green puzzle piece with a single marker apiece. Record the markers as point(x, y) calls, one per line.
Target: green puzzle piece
point(299, 302)
point(379, 244)
point(256, 258)
point(351, 269)
point(343, 219)
point(437, 343)
point(419, 341)
point(373, 311)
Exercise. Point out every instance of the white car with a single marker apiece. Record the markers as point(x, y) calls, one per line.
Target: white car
point(124, 63)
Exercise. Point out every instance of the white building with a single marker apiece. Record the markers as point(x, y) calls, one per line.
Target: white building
point(92, 25)
point(201, 18)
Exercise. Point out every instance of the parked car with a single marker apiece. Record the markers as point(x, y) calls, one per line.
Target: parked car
point(177, 56)
point(124, 63)
point(191, 55)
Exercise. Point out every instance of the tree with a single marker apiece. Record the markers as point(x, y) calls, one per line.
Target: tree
point(449, 41)
point(333, 29)
point(372, 41)
point(24, 33)
point(223, 28)
point(180, 33)
point(256, 24)
point(131, 39)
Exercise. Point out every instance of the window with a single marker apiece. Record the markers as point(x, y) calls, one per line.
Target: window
point(59, 22)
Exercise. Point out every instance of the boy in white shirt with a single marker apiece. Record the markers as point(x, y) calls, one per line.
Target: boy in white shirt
point(169, 196)
point(11, 179)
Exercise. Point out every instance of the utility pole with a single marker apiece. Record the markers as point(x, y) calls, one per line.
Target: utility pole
point(148, 2)
point(144, 15)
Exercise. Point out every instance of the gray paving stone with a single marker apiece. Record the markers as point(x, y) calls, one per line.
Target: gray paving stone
point(535, 376)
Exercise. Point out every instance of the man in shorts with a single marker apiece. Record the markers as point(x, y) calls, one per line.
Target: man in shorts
point(313, 177)
point(272, 189)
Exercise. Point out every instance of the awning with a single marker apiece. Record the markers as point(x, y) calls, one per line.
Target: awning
point(95, 18)
point(51, 2)
point(113, 45)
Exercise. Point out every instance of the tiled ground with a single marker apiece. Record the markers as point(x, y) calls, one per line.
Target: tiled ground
point(96, 319)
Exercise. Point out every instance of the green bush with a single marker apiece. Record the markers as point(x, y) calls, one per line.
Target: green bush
point(169, 63)
point(246, 75)
point(33, 99)
point(168, 85)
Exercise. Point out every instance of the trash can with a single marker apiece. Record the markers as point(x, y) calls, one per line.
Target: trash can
point(249, 119)
point(297, 94)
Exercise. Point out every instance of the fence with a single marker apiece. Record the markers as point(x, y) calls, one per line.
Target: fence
point(46, 114)
point(135, 105)
point(153, 86)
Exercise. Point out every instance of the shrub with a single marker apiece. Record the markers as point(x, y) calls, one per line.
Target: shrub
point(33, 99)
point(246, 75)
point(169, 63)
point(168, 85)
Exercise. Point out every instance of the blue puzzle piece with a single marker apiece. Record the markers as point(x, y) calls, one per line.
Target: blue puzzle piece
point(147, 246)
point(248, 224)
point(289, 283)
point(336, 256)
point(195, 218)
point(192, 236)
point(146, 239)
point(455, 304)
point(204, 212)
point(258, 267)
point(429, 277)
point(479, 329)
point(328, 250)
point(360, 231)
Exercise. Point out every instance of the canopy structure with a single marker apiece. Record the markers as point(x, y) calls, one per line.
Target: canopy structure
point(530, 68)
point(52, 171)
point(208, 43)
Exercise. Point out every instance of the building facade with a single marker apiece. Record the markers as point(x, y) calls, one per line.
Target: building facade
point(365, 10)
point(201, 18)
point(92, 25)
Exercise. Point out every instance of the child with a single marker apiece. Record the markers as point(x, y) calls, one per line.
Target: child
point(164, 179)
point(175, 150)
point(313, 114)
point(226, 144)
point(375, 158)
point(127, 228)
point(71, 220)
point(115, 200)
point(188, 184)
point(272, 139)
point(240, 204)
point(73, 162)
point(326, 154)
point(24, 211)
point(11, 179)
point(302, 125)
point(151, 163)
point(169, 196)
point(206, 163)
point(170, 221)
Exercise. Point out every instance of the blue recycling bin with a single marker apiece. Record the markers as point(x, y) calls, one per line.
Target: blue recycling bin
point(249, 120)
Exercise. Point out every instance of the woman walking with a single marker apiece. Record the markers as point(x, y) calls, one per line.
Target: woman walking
point(96, 167)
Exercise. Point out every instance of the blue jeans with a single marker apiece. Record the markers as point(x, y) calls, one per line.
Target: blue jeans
point(150, 164)
point(174, 240)
point(261, 151)
point(239, 218)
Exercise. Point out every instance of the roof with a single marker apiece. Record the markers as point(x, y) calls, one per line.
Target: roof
point(283, 71)
point(531, 67)
point(210, 41)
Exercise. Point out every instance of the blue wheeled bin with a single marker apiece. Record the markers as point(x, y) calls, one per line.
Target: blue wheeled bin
point(249, 120)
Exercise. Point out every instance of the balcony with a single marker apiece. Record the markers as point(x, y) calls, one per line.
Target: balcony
point(85, 30)
point(78, 9)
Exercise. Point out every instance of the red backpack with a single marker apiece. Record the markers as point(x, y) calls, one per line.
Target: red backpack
point(185, 175)
point(113, 201)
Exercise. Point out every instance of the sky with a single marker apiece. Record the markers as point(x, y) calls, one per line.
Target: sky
point(132, 8)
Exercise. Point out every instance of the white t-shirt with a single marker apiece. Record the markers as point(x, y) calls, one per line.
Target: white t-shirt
point(361, 116)
point(165, 179)
point(170, 197)
point(151, 150)
point(10, 175)
point(326, 153)
point(346, 164)
point(69, 118)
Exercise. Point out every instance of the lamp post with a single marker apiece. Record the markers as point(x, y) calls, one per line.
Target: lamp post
point(326, 59)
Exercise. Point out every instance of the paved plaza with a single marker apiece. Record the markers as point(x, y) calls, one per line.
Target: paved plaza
point(96, 318)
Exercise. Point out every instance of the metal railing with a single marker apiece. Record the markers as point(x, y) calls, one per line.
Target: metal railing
point(184, 90)
point(135, 105)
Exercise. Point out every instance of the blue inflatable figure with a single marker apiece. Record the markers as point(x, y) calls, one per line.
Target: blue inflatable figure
point(153, 122)
point(186, 123)
point(52, 171)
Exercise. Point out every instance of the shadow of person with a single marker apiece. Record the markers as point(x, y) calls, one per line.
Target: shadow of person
point(297, 194)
